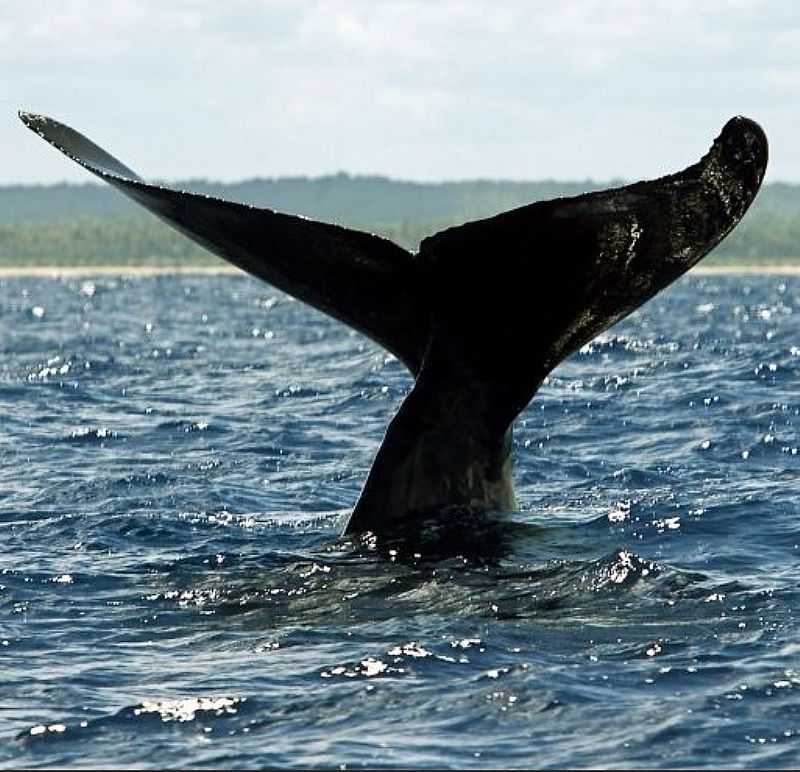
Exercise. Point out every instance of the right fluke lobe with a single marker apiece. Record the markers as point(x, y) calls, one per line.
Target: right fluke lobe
point(513, 295)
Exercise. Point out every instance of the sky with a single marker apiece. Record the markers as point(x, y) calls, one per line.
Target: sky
point(430, 90)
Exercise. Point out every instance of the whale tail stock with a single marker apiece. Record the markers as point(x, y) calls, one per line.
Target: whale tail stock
point(483, 312)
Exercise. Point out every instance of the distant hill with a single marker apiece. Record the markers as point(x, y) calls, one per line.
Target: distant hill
point(334, 198)
point(68, 223)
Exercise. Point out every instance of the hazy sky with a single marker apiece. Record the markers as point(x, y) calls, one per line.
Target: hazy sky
point(437, 89)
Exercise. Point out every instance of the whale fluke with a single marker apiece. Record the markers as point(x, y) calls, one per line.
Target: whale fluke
point(483, 312)
point(363, 280)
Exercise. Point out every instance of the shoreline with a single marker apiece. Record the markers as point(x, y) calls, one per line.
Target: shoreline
point(76, 271)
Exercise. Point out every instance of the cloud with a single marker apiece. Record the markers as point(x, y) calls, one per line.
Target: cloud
point(413, 89)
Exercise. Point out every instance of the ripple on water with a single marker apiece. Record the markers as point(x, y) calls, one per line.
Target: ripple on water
point(180, 455)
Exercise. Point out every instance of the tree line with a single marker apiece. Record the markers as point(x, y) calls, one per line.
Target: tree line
point(93, 224)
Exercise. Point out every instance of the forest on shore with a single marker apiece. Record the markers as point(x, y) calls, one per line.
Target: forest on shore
point(92, 224)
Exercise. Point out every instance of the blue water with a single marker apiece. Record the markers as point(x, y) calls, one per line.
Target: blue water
point(178, 456)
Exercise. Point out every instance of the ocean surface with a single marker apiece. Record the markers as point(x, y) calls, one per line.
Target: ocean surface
point(178, 457)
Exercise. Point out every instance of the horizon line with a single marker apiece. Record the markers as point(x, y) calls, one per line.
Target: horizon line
point(344, 175)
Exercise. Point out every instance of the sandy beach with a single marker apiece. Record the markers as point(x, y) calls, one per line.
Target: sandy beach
point(12, 272)
point(70, 271)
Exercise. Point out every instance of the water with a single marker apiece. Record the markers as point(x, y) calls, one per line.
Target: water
point(178, 457)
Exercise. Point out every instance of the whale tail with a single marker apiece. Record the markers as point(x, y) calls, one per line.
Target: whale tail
point(483, 312)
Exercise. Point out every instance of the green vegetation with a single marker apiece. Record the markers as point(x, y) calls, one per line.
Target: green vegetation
point(137, 240)
point(93, 224)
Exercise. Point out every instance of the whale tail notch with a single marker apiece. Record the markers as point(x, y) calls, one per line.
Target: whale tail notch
point(483, 312)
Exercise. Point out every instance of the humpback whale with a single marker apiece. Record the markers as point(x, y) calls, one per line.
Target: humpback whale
point(481, 313)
